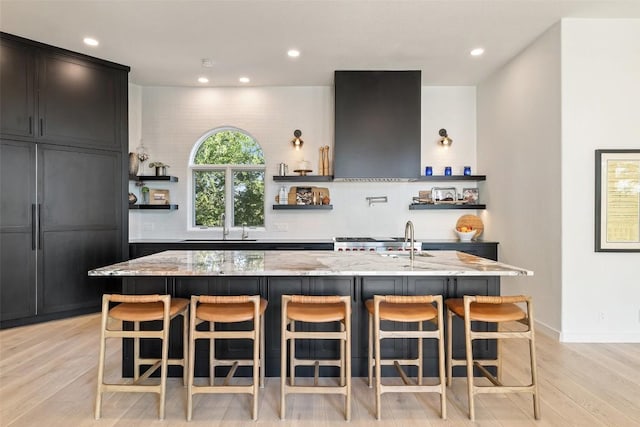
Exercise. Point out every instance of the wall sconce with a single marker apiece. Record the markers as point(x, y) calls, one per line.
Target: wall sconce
point(297, 141)
point(444, 140)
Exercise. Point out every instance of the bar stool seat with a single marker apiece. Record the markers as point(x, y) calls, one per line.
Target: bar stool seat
point(414, 309)
point(136, 309)
point(315, 309)
point(227, 309)
point(494, 309)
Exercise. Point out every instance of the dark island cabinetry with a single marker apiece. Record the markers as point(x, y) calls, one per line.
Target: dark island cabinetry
point(63, 139)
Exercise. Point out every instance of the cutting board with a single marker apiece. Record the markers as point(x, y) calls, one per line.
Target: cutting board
point(471, 221)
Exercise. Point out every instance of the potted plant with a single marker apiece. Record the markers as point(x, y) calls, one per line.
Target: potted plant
point(161, 168)
point(144, 191)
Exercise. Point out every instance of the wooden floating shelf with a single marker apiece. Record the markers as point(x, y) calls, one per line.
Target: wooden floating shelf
point(168, 178)
point(302, 207)
point(420, 206)
point(154, 207)
point(451, 178)
point(303, 178)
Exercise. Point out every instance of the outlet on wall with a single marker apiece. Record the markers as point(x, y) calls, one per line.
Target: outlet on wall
point(601, 316)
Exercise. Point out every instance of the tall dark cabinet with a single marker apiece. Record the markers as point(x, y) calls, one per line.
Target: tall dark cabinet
point(63, 179)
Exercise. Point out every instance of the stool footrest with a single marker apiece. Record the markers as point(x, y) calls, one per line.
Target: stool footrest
point(315, 335)
point(411, 388)
point(311, 362)
point(409, 334)
point(319, 389)
point(229, 362)
point(131, 388)
point(222, 389)
point(503, 389)
point(225, 335)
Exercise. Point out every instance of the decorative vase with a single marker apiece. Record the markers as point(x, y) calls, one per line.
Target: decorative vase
point(132, 199)
point(134, 164)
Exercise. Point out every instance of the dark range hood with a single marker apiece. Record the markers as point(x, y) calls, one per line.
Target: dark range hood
point(377, 125)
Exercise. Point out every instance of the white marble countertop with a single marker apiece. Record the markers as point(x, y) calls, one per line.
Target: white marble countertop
point(308, 263)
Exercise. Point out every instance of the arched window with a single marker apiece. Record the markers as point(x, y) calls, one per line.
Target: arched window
point(227, 172)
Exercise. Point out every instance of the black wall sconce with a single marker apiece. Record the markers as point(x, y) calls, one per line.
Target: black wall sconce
point(444, 140)
point(297, 141)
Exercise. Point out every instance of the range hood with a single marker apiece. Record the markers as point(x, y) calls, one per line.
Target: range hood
point(377, 125)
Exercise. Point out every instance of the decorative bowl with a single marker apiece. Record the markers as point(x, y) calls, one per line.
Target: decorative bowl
point(466, 236)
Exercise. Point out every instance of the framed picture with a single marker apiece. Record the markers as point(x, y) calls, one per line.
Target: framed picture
point(470, 196)
point(158, 197)
point(617, 197)
point(444, 195)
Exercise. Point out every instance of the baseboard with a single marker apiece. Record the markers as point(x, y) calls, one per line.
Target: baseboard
point(5, 324)
point(604, 337)
point(548, 330)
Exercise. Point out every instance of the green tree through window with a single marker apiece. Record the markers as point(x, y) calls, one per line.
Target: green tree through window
point(228, 177)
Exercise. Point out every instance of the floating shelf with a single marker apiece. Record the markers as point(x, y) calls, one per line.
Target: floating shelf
point(154, 207)
point(421, 206)
point(303, 178)
point(451, 178)
point(302, 207)
point(153, 178)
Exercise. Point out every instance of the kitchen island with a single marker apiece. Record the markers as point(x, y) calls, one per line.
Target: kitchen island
point(274, 273)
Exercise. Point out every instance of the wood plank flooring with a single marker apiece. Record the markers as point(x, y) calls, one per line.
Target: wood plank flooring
point(48, 374)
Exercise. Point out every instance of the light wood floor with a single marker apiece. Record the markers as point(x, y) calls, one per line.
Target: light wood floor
point(48, 374)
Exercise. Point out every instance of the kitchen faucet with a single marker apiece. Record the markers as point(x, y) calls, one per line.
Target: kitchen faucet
point(408, 233)
point(225, 232)
point(245, 234)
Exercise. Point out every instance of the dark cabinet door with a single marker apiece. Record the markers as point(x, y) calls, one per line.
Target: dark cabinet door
point(17, 80)
point(81, 201)
point(17, 230)
point(78, 102)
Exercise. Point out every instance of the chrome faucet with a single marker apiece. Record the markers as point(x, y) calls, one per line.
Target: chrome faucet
point(408, 234)
point(245, 234)
point(225, 231)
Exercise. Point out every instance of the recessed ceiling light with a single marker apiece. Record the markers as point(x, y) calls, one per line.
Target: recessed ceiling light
point(293, 53)
point(244, 80)
point(90, 41)
point(477, 51)
point(203, 80)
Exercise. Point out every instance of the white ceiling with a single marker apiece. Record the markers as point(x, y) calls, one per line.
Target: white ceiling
point(165, 41)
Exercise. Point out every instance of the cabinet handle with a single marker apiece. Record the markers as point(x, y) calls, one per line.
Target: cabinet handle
point(41, 127)
point(30, 125)
point(39, 227)
point(33, 226)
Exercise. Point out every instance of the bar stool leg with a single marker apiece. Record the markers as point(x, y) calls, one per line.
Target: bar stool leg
point(103, 345)
point(469, 356)
point(163, 368)
point(256, 367)
point(378, 374)
point(292, 355)
point(342, 358)
point(370, 352)
point(441, 363)
point(449, 347)
point(347, 361)
point(283, 364)
point(420, 355)
point(262, 351)
point(532, 357)
point(192, 359)
point(185, 349)
point(212, 355)
point(136, 353)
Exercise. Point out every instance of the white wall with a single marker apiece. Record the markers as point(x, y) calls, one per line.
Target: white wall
point(601, 110)
point(519, 131)
point(173, 118)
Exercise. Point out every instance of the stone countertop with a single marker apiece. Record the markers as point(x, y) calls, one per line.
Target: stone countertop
point(308, 263)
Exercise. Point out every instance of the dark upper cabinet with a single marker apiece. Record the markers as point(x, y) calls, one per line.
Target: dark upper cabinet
point(377, 124)
point(60, 97)
point(17, 80)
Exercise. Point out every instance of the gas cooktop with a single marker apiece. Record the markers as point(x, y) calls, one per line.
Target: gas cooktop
point(374, 244)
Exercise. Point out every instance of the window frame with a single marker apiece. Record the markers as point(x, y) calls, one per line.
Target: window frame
point(228, 169)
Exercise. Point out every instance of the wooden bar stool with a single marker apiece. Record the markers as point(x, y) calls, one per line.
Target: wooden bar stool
point(406, 309)
point(315, 309)
point(495, 309)
point(227, 309)
point(136, 309)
